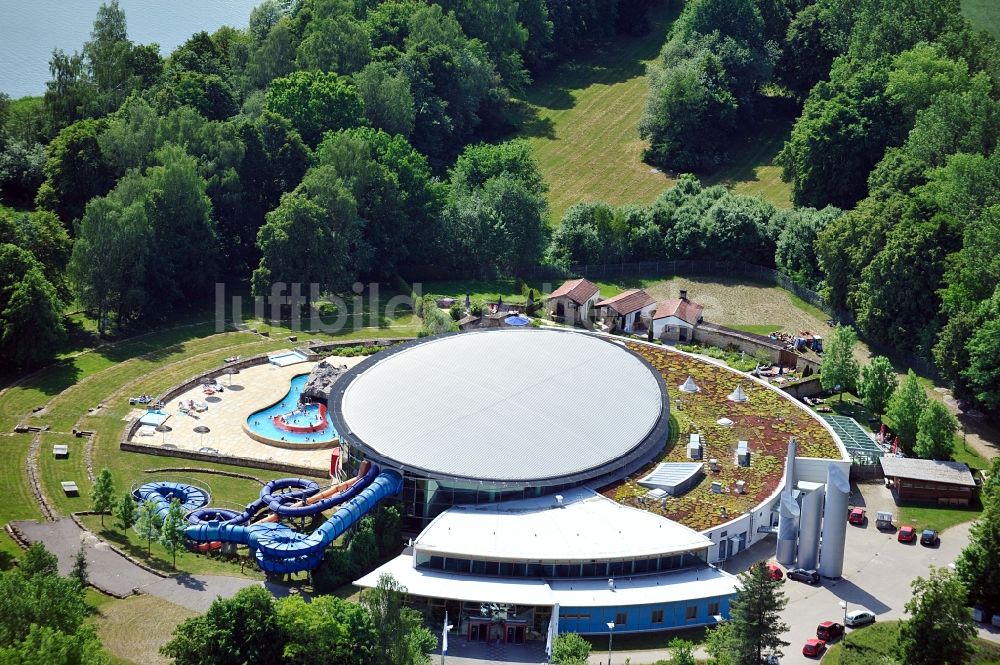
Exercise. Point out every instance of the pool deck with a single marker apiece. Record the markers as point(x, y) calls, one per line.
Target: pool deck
point(252, 389)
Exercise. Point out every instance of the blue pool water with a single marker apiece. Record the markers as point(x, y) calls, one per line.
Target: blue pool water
point(262, 422)
point(285, 359)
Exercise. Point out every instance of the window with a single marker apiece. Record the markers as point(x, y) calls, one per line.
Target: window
point(713, 608)
point(691, 612)
point(657, 616)
point(621, 618)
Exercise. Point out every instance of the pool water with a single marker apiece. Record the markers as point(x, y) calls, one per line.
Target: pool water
point(286, 359)
point(262, 422)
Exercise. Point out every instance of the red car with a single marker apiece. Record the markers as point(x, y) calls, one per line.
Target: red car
point(775, 571)
point(857, 516)
point(906, 534)
point(828, 631)
point(813, 647)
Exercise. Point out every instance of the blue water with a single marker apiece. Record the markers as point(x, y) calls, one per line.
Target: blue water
point(261, 421)
point(285, 359)
point(30, 30)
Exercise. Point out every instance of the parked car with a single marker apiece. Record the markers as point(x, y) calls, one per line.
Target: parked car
point(860, 617)
point(883, 520)
point(774, 570)
point(813, 647)
point(828, 631)
point(856, 516)
point(906, 534)
point(803, 575)
point(929, 537)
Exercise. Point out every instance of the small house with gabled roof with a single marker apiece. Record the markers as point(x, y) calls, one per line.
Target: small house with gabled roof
point(677, 320)
point(573, 301)
point(629, 311)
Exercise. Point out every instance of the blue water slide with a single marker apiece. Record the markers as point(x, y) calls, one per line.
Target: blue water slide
point(280, 549)
point(162, 493)
point(283, 508)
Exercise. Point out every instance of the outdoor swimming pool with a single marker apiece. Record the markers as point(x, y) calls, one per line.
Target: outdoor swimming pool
point(287, 358)
point(262, 422)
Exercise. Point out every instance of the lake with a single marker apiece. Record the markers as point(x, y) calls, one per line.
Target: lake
point(30, 29)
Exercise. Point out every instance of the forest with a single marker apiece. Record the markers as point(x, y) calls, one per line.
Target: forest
point(341, 140)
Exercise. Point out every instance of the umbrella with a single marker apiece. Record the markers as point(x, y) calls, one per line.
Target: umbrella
point(230, 371)
point(164, 429)
point(201, 429)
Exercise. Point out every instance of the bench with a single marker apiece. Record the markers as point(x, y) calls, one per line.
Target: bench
point(70, 488)
point(59, 450)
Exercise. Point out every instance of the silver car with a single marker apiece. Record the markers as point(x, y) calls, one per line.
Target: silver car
point(857, 618)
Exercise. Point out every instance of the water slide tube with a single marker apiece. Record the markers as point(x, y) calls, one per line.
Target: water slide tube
point(162, 493)
point(280, 549)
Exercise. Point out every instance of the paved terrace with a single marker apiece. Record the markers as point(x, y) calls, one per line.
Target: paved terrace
point(254, 388)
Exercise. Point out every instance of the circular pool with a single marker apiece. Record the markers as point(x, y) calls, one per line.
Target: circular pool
point(291, 424)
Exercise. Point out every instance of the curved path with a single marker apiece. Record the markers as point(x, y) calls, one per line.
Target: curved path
point(114, 574)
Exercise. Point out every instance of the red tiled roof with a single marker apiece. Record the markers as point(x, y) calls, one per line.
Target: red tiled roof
point(577, 290)
point(628, 301)
point(682, 308)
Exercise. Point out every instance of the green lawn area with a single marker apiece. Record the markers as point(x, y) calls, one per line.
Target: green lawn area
point(757, 329)
point(984, 14)
point(484, 290)
point(937, 518)
point(873, 645)
point(582, 118)
point(189, 562)
point(90, 375)
point(19, 502)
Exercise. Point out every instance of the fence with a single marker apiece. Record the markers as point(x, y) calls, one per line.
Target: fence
point(687, 267)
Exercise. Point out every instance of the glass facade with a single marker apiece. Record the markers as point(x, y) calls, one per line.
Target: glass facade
point(561, 570)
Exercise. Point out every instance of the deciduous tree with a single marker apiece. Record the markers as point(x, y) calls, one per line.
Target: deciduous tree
point(936, 429)
point(570, 649)
point(149, 523)
point(102, 495)
point(878, 382)
point(905, 407)
point(978, 566)
point(126, 512)
point(939, 630)
point(172, 534)
point(234, 631)
point(840, 367)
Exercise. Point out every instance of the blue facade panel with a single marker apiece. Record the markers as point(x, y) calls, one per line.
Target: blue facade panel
point(637, 618)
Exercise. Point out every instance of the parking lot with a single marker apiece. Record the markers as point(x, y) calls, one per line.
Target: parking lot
point(877, 574)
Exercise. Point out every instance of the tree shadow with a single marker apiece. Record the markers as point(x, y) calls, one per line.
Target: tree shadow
point(856, 597)
point(187, 581)
point(529, 122)
point(615, 61)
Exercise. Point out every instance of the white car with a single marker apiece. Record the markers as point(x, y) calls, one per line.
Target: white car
point(857, 618)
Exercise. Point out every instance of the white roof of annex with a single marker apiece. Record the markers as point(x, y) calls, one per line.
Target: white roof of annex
point(502, 405)
point(586, 526)
point(688, 584)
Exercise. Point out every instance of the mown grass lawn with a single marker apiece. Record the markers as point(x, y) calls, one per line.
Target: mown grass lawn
point(984, 14)
point(582, 121)
point(937, 518)
point(134, 629)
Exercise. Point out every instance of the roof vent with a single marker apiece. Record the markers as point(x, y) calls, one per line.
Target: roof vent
point(559, 499)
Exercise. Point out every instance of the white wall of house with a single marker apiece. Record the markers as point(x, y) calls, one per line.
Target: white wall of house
point(670, 325)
